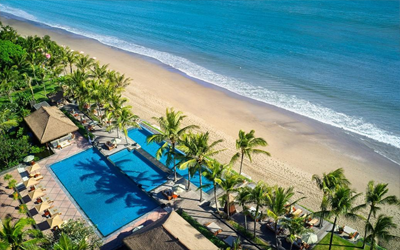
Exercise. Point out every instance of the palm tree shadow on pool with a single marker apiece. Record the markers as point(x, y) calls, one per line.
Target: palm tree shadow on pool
point(113, 184)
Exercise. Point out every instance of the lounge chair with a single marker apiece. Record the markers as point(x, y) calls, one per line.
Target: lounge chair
point(213, 227)
point(312, 222)
point(297, 212)
point(110, 145)
point(169, 195)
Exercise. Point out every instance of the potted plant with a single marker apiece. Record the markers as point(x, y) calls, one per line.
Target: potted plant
point(351, 235)
point(23, 209)
point(12, 183)
point(341, 229)
point(15, 195)
point(7, 177)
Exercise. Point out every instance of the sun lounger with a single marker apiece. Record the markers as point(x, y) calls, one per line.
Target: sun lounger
point(312, 222)
point(297, 212)
point(110, 145)
point(213, 227)
point(169, 195)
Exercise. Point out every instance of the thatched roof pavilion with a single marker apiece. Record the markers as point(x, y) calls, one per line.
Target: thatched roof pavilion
point(171, 232)
point(49, 123)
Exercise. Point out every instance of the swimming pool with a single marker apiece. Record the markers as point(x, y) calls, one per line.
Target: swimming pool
point(141, 170)
point(108, 197)
point(140, 136)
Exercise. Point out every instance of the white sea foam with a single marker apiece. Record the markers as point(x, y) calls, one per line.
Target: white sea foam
point(289, 102)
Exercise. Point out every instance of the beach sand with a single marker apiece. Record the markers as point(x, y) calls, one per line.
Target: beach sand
point(300, 147)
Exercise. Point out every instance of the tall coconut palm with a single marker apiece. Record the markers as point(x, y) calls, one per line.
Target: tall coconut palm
point(258, 196)
point(214, 172)
point(197, 151)
point(126, 119)
point(71, 57)
point(328, 184)
point(380, 230)
point(342, 203)
point(121, 80)
point(243, 198)
point(375, 197)
point(246, 145)
point(66, 243)
point(278, 199)
point(295, 227)
point(15, 237)
point(84, 63)
point(228, 184)
point(8, 76)
point(99, 72)
point(171, 132)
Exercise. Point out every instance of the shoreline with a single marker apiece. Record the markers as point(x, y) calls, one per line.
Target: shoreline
point(296, 142)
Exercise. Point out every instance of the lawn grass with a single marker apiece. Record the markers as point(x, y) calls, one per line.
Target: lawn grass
point(338, 244)
point(38, 92)
point(261, 243)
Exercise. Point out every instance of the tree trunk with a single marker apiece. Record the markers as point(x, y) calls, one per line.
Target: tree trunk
point(276, 233)
point(228, 205)
point(118, 131)
point(245, 218)
point(291, 245)
point(241, 163)
point(215, 196)
point(365, 234)
point(188, 187)
point(201, 184)
point(333, 229)
point(70, 67)
point(173, 152)
point(255, 220)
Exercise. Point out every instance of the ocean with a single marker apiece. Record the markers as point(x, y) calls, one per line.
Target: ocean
point(337, 62)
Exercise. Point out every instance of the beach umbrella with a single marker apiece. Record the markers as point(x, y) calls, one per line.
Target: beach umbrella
point(29, 158)
point(309, 238)
point(55, 221)
point(179, 188)
point(36, 193)
point(30, 182)
point(33, 168)
point(115, 141)
point(42, 206)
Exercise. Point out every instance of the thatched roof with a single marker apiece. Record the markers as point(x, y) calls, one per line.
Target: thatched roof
point(171, 232)
point(49, 123)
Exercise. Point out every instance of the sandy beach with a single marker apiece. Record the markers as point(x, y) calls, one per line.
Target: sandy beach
point(300, 147)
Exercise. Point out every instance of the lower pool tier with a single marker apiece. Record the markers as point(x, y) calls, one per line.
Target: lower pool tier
point(107, 197)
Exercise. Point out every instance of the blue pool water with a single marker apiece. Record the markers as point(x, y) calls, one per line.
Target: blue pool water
point(109, 198)
point(139, 169)
point(140, 136)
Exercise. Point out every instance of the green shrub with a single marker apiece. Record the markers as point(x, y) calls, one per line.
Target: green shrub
point(203, 230)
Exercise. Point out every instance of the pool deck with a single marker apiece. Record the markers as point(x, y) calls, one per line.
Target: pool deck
point(188, 200)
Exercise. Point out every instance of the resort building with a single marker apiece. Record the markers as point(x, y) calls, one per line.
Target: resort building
point(49, 123)
point(171, 232)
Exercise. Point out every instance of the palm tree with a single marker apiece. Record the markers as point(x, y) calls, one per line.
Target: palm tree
point(213, 172)
point(66, 243)
point(328, 184)
point(197, 151)
point(243, 198)
point(84, 63)
point(71, 58)
point(278, 199)
point(374, 198)
point(126, 119)
point(342, 204)
point(8, 76)
point(246, 145)
point(171, 132)
point(295, 227)
point(15, 237)
point(228, 184)
point(258, 196)
point(380, 230)
point(99, 72)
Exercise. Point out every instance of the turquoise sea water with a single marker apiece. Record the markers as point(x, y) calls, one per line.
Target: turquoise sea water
point(333, 61)
point(109, 198)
